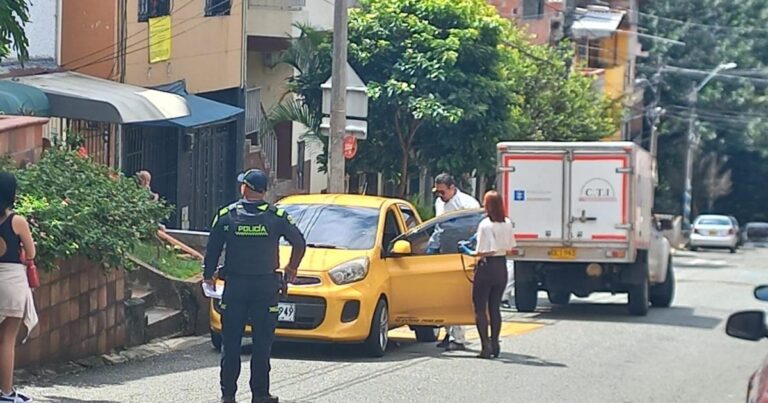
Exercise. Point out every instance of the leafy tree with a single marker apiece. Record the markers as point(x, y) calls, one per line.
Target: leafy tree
point(13, 15)
point(447, 80)
point(730, 109)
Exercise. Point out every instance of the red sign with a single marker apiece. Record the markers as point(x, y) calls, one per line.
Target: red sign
point(350, 146)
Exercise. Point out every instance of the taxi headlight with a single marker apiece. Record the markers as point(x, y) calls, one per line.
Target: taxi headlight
point(349, 272)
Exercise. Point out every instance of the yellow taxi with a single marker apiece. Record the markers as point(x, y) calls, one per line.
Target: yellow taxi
point(372, 266)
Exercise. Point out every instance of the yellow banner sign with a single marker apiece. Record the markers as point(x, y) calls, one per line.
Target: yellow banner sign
point(159, 39)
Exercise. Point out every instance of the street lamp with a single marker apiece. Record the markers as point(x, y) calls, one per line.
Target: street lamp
point(693, 139)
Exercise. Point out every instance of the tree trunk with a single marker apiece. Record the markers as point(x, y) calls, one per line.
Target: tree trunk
point(403, 173)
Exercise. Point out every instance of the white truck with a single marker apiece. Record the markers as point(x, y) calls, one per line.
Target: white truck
point(583, 222)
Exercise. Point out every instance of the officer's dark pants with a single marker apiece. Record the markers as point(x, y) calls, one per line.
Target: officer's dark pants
point(248, 297)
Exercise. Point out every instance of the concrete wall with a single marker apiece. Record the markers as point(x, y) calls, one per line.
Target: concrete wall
point(538, 27)
point(89, 37)
point(81, 314)
point(206, 51)
point(21, 138)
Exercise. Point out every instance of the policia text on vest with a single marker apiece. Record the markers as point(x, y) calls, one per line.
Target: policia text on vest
point(251, 231)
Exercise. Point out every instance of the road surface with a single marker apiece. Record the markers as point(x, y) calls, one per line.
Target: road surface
point(589, 351)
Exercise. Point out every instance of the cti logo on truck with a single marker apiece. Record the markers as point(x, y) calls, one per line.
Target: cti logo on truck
point(597, 190)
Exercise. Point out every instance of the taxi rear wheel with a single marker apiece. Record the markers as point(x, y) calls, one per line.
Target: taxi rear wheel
point(376, 343)
point(426, 334)
point(216, 340)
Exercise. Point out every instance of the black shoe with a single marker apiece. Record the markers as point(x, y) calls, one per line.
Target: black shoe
point(495, 349)
point(444, 343)
point(506, 305)
point(453, 346)
point(265, 399)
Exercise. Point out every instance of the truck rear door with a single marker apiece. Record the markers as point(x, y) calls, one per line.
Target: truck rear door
point(599, 191)
point(532, 185)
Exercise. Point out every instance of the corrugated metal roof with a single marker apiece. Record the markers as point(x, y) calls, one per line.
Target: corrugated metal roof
point(593, 24)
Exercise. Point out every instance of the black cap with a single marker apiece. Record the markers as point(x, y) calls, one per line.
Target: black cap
point(255, 179)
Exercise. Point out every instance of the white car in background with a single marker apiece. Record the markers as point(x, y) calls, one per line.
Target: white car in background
point(714, 231)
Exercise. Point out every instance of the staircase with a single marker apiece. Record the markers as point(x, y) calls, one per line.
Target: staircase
point(157, 305)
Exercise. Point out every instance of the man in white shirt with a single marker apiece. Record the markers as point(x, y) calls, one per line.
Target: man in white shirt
point(450, 198)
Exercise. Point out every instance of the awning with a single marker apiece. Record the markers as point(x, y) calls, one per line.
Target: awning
point(593, 24)
point(77, 96)
point(20, 99)
point(202, 111)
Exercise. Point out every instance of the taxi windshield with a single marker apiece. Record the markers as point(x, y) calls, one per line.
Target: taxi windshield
point(335, 227)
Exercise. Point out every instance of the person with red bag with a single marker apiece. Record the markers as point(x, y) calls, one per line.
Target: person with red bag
point(18, 275)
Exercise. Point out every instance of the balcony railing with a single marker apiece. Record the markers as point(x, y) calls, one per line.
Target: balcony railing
point(278, 4)
point(598, 75)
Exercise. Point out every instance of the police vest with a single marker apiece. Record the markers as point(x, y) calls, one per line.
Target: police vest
point(252, 239)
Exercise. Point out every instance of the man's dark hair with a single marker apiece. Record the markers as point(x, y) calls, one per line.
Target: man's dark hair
point(445, 179)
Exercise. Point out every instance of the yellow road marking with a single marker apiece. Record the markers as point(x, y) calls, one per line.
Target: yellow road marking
point(507, 329)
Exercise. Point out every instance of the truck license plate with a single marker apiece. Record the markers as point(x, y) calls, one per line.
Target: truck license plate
point(286, 312)
point(562, 253)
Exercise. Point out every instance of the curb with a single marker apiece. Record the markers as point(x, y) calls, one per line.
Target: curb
point(153, 349)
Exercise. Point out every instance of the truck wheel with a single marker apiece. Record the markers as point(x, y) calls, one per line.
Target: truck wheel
point(526, 296)
point(216, 340)
point(559, 297)
point(376, 343)
point(663, 294)
point(638, 298)
point(426, 334)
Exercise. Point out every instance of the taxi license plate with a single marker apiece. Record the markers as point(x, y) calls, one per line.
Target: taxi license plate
point(286, 312)
point(562, 253)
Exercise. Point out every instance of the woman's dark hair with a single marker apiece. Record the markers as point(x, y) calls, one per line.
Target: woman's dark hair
point(7, 191)
point(494, 206)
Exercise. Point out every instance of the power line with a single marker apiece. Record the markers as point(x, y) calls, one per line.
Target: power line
point(114, 55)
point(695, 24)
point(113, 45)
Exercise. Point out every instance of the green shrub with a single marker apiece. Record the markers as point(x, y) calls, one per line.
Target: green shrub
point(166, 259)
point(77, 207)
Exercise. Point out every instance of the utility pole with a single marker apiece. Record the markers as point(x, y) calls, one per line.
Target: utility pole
point(336, 169)
point(689, 155)
point(693, 140)
point(568, 19)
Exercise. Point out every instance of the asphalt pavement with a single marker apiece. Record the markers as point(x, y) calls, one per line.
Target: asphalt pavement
point(588, 351)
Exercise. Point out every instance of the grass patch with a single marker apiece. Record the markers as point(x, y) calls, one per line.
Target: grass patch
point(168, 260)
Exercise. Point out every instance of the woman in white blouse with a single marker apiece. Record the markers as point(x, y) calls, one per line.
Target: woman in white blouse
point(495, 239)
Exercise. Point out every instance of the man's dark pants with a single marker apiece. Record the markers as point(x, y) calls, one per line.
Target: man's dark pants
point(248, 299)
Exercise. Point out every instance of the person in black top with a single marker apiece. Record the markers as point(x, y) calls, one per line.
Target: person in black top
point(251, 229)
point(16, 302)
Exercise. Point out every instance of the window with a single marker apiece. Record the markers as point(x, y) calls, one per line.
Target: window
point(153, 8)
point(443, 237)
point(217, 7)
point(410, 218)
point(391, 229)
point(335, 227)
point(533, 9)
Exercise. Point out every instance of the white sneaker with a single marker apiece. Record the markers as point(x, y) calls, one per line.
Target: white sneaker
point(14, 397)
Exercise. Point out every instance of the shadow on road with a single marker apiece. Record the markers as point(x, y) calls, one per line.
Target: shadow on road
point(613, 312)
point(508, 358)
point(58, 399)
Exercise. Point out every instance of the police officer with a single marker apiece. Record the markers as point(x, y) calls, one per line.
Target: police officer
point(251, 230)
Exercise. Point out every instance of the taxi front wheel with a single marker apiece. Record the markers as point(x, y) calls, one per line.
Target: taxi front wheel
point(376, 343)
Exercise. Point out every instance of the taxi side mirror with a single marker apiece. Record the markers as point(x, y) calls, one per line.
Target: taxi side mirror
point(401, 247)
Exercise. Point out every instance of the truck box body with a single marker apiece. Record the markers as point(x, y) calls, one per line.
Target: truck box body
point(577, 202)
